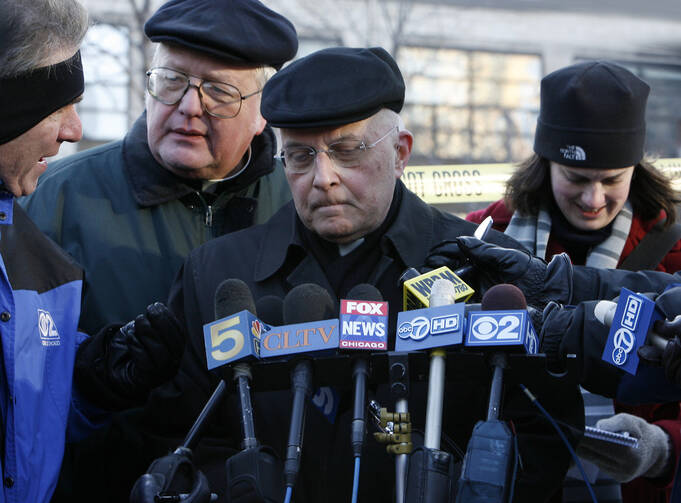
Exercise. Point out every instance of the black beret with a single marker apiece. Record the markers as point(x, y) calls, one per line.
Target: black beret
point(333, 87)
point(592, 115)
point(238, 31)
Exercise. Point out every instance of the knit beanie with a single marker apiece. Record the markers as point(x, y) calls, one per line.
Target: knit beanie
point(592, 115)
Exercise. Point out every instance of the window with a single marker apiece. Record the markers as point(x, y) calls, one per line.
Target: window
point(106, 63)
point(470, 106)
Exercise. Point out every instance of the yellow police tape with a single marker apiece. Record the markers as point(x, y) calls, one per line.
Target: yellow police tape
point(464, 183)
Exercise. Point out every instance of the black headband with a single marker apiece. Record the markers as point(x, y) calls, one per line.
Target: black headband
point(27, 99)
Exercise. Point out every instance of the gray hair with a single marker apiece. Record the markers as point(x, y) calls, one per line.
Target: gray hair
point(34, 33)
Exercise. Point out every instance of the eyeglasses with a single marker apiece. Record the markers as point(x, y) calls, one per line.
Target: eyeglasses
point(219, 99)
point(299, 159)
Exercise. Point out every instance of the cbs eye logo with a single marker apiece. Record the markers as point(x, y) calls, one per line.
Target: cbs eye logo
point(505, 327)
point(416, 329)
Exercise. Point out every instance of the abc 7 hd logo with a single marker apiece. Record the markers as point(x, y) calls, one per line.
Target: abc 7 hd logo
point(416, 329)
point(623, 342)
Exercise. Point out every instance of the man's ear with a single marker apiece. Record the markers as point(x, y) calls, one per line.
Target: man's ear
point(405, 142)
point(260, 124)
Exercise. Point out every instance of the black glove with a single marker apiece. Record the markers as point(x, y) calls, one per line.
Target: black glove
point(539, 281)
point(116, 368)
point(575, 330)
point(669, 304)
point(447, 253)
point(554, 326)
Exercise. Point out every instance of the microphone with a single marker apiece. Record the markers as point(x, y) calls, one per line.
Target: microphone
point(364, 323)
point(416, 290)
point(311, 324)
point(487, 472)
point(433, 327)
point(503, 322)
point(304, 303)
point(233, 295)
point(630, 321)
point(235, 335)
point(431, 471)
point(363, 319)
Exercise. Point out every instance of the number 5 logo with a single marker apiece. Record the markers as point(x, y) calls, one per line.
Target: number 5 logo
point(222, 332)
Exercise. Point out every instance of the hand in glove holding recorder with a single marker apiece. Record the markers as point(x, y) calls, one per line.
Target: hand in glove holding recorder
point(117, 368)
point(650, 458)
point(540, 281)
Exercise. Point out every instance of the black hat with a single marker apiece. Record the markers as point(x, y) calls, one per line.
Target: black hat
point(238, 31)
point(592, 115)
point(333, 87)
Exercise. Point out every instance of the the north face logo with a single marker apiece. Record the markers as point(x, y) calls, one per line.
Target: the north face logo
point(49, 336)
point(573, 153)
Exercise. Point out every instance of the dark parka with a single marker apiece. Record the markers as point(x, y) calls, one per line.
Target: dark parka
point(271, 259)
point(131, 223)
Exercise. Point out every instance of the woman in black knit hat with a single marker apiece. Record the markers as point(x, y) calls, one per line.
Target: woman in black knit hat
point(589, 191)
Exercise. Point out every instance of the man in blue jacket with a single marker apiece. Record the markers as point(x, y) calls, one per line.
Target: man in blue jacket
point(41, 79)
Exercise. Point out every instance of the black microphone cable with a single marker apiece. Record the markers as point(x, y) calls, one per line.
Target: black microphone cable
point(572, 452)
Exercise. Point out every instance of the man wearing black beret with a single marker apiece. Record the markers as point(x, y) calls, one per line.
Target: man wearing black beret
point(197, 164)
point(351, 221)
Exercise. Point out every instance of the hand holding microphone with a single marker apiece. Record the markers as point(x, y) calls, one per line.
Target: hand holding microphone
point(667, 355)
point(651, 458)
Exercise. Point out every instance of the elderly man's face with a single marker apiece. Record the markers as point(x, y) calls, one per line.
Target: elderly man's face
point(184, 138)
point(342, 204)
point(22, 160)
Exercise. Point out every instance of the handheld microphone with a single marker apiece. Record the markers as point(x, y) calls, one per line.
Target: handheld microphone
point(487, 472)
point(305, 302)
point(431, 471)
point(504, 321)
point(310, 324)
point(630, 322)
point(364, 323)
point(433, 327)
point(416, 290)
point(230, 296)
point(235, 335)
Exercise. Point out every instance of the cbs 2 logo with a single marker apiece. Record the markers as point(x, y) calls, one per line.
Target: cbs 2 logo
point(504, 328)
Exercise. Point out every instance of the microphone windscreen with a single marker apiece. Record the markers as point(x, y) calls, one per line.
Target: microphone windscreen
point(232, 296)
point(364, 291)
point(270, 310)
point(604, 311)
point(503, 297)
point(308, 302)
point(442, 293)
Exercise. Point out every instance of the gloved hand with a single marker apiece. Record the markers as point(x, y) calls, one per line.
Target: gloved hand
point(116, 368)
point(669, 304)
point(652, 458)
point(539, 281)
point(447, 253)
point(555, 325)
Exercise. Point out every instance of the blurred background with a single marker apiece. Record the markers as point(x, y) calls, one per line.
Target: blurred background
point(472, 69)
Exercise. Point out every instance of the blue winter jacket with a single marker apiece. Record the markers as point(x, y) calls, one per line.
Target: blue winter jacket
point(40, 294)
